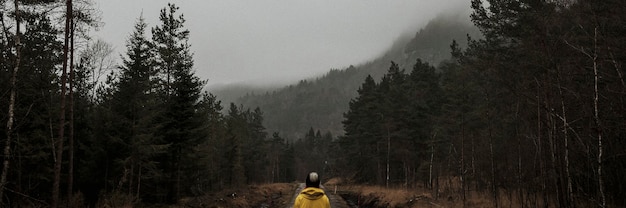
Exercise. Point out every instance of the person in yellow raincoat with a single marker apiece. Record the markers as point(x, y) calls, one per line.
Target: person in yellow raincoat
point(312, 196)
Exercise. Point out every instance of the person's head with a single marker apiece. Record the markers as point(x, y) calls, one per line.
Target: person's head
point(313, 180)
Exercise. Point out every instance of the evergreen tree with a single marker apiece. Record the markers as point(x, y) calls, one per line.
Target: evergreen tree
point(275, 149)
point(362, 122)
point(135, 107)
point(424, 99)
point(209, 172)
point(182, 125)
point(254, 143)
point(235, 124)
point(170, 40)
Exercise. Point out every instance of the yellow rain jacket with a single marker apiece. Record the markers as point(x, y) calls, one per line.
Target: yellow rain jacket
point(312, 197)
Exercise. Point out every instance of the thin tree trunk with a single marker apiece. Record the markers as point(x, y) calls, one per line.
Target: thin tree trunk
point(462, 169)
point(59, 147)
point(473, 162)
point(70, 178)
point(138, 182)
point(11, 113)
point(131, 178)
point(494, 187)
point(430, 168)
point(617, 69)
point(539, 149)
point(569, 195)
point(553, 149)
point(597, 118)
point(406, 174)
point(178, 175)
point(388, 155)
point(519, 157)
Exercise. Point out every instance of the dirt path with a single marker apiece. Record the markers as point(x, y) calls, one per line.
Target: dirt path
point(335, 200)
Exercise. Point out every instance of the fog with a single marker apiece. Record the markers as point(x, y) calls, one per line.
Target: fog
point(277, 41)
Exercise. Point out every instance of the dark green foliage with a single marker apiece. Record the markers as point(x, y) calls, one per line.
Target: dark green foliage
point(249, 153)
point(135, 110)
point(182, 125)
point(390, 124)
point(360, 141)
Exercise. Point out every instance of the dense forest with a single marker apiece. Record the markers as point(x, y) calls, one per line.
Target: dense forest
point(533, 112)
point(530, 108)
point(81, 134)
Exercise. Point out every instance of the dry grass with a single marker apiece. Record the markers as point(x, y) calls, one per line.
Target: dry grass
point(447, 195)
point(117, 199)
point(390, 197)
point(273, 195)
point(333, 182)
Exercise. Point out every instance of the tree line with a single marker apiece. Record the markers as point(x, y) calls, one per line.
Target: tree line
point(532, 113)
point(83, 131)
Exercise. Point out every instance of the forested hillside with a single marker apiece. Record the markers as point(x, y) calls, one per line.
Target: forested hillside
point(320, 102)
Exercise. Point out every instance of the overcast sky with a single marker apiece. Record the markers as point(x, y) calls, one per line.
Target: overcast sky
point(277, 41)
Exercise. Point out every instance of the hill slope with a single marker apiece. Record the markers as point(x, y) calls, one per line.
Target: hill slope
point(320, 103)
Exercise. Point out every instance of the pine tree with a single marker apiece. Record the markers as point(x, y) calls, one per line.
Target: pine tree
point(362, 122)
point(170, 40)
point(182, 126)
point(134, 103)
point(236, 127)
point(254, 143)
point(209, 172)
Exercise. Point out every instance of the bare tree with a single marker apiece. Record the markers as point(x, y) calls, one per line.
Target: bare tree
point(97, 56)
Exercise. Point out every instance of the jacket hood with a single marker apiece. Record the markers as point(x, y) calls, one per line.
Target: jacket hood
point(313, 193)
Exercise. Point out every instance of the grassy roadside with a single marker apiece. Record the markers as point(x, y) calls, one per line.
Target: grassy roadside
point(264, 195)
point(378, 197)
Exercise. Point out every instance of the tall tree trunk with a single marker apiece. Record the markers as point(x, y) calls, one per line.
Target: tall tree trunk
point(60, 137)
point(430, 166)
point(519, 156)
point(70, 178)
point(131, 178)
point(138, 182)
point(388, 155)
point(553, 158)
point(473, 163)
point(539, 145)
point(11, 113)
point(462, 169)
point(494, 187)
point(569, 196)
point(597, 118)
point(617, 69)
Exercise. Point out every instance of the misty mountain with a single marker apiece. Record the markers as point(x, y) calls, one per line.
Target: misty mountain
point(319, 103)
